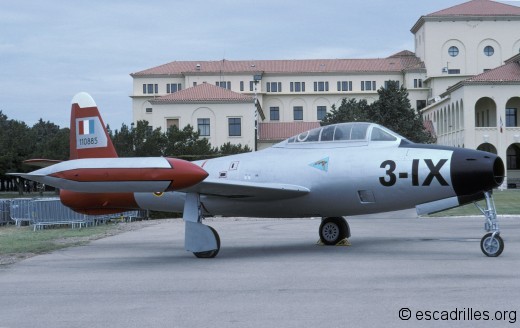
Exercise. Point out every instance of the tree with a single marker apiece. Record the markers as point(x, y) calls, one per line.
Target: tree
point(186, 144)
point(123, 141)
point(16, 144)
point(153, 144)
point(350, 110)
point(393, 110)
point(229, 149)
point(49, 141)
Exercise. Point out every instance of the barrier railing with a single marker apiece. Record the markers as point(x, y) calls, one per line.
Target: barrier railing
point(46, 212)
point(5, 216)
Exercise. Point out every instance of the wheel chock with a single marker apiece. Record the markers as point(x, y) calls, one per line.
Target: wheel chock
point(343, 242)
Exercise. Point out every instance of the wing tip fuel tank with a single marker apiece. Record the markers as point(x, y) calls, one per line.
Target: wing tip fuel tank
point(120, 175)
point(83, 100)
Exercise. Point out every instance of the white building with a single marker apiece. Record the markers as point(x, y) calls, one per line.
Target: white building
point(464, 77)
point(471, 53)
point(289, 92)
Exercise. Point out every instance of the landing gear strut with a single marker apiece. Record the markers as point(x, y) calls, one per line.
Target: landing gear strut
point(333, 230)
point(491, 244)
point(199, 238)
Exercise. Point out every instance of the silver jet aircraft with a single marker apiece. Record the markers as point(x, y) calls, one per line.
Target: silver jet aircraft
point(330, 172)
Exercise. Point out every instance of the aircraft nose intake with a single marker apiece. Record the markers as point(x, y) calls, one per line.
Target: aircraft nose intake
point(474, 171)
point(186, 174)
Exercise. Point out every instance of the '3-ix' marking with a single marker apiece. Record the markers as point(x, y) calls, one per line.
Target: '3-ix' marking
point(391, 178)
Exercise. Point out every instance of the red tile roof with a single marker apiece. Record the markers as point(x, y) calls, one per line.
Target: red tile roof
point(203, 93)
point(428, 126)
point(473, 8)
point(478, 8)
point(509, 72)
point(395, 63)
point(278, 131)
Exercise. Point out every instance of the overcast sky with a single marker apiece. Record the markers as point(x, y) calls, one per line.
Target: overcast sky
point(50, 50)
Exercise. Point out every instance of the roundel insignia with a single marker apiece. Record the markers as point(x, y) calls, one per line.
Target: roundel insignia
point(322, 164)
point(158, 194)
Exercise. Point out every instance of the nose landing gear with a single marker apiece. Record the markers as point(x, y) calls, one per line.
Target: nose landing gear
point(491, 244)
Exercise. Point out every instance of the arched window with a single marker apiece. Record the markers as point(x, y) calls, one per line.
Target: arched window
point(513, 157)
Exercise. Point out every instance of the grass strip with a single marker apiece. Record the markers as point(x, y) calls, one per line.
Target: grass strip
point(15, 240)
point(506, 202)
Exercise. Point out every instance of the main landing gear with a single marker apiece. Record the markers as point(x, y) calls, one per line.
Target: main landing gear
point(199, 238)
point(333, 230)
point(491, 244)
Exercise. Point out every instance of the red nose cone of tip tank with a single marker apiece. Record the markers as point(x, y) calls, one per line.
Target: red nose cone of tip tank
point(186, 174)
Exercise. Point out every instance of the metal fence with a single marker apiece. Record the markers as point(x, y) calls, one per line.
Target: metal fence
point(5, 217)
point(48, 212)
point(19, 210)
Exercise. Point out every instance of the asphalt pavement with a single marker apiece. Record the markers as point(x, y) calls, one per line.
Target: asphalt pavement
point(271, 273)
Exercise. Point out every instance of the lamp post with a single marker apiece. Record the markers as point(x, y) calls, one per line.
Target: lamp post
point(256, 78)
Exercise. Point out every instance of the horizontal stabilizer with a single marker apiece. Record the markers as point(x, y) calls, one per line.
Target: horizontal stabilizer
point(28, 176)
point(245, 189)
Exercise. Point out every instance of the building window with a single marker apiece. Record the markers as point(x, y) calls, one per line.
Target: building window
point(274, 113)
point(368, 85)
point(511, 117)
point(420, 104)
point(513, 160)
point(386, 84)
point(344, 85)
point(297, 86)
point(298, 113)
point(453, 51)
point(224, 84)
point(235, 126)
point(321, 112)
point(172, 122)
point(417, 83)
point(203, 126)
point(489, 51)
point(150, 88)
point(321, 86)
point(241, 85)
point(149, 110)
point(274, 86)
point(454, 71)
point(251, 85)
point(173, 87)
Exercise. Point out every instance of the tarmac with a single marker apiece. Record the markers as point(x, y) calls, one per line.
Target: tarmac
point(399, 271)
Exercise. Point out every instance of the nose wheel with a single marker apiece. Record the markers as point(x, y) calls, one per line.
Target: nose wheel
point(491, 244)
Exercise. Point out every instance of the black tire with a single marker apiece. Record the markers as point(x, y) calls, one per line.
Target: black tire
point(210, 254)
point(333, 230)
point(492, 248)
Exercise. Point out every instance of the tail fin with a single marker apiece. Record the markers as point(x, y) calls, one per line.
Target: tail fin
point(88, 135)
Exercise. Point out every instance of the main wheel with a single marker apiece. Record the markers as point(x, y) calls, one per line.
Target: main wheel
point(333, 230)
point(212, 253)
point(492, 246)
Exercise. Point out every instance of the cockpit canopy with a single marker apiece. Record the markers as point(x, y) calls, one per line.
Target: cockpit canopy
point(344, 133)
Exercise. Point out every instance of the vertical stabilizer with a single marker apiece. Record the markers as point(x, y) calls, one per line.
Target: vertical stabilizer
point(88, 135)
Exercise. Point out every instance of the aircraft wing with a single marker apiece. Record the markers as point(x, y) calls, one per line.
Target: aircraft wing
point(247, 189)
